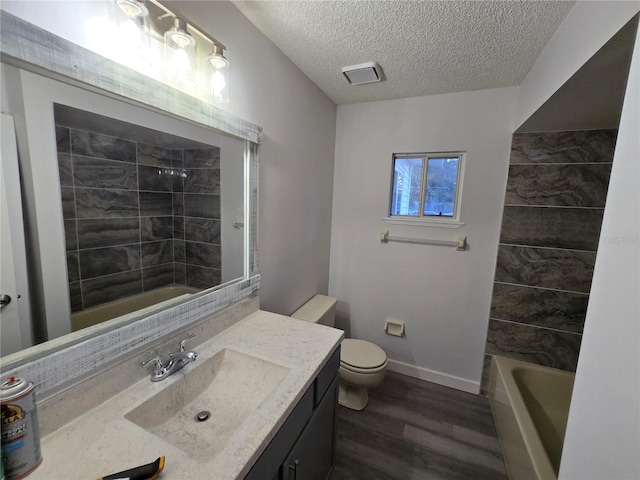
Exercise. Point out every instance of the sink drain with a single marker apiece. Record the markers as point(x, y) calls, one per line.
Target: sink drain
point(203, 416)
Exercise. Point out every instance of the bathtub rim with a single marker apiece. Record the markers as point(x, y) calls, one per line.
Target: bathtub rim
point(502, 368)
point(78, 316)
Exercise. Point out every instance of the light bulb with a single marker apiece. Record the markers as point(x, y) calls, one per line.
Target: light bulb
point(217, 59)
point(129, 35)
point(180, 63)
point(181, 39)
point(133, 8)
point(218, 84)
point(177, 36)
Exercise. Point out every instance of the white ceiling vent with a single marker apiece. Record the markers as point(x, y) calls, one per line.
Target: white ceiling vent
point(369, 72)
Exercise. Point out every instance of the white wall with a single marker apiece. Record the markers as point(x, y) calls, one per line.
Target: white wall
point(603, 433)
point(296, 158)
point(587, 27)
point(443, 295)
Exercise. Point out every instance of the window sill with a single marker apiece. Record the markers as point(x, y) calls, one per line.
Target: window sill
point(423, 222)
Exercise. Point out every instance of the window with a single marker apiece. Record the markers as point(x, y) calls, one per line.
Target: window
point(426, 186)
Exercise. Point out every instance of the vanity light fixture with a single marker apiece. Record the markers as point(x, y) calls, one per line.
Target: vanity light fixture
point(133, 8)
point(145, 30)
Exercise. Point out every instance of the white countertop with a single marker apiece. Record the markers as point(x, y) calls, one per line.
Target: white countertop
point(102, 441)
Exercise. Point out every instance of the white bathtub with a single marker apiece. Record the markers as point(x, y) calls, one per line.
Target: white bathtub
point(530, 406)
point(153, 298)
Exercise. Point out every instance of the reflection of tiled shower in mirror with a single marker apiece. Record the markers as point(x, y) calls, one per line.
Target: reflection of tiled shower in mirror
point(141, 209)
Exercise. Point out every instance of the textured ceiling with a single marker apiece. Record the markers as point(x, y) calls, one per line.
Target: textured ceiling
point(423, 47)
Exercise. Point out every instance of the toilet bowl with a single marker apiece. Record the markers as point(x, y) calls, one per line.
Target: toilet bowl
point(362, 364)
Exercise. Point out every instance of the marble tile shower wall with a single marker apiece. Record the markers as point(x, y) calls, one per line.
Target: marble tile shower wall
point(137, 217)
point(556, 192)
point(196, 206)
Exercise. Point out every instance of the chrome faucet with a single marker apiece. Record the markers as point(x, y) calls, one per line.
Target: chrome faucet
point(176, 361)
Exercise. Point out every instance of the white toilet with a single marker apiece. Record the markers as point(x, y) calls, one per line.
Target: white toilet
point(362, 363)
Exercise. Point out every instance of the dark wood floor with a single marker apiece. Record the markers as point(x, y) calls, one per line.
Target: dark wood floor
point(413, 429)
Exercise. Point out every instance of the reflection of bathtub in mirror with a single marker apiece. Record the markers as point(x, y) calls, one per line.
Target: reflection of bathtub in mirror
point(156, 298)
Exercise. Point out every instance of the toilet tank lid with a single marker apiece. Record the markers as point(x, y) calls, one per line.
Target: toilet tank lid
point(361, 354)
point(315, 308)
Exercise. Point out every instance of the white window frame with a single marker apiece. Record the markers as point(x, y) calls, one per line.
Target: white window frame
point(429, 220)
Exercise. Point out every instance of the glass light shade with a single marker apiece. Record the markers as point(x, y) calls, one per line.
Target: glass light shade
point(122, 37)
point(219, 80)
point(180, 56)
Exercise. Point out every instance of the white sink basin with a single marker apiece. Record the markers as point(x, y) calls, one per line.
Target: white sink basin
point(229, 386)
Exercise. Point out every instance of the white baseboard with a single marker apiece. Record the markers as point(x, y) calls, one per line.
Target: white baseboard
point(435, 377)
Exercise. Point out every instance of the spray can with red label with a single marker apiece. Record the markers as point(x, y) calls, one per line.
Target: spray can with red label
point(20, 432)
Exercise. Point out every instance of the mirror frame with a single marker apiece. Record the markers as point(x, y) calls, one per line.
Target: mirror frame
point(28, 47)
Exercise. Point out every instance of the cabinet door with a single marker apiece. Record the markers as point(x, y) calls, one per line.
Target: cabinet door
point(270, 462)
point(312, 456)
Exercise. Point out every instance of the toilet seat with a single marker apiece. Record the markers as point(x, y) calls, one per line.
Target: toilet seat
point(363, 371)
point(360, 356)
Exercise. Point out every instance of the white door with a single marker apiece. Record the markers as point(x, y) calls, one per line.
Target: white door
point(15, 318)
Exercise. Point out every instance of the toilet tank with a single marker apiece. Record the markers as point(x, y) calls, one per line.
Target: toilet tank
point(320, 309)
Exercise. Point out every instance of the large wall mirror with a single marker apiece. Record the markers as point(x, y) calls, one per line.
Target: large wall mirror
point(146, 213)
point(135, 197)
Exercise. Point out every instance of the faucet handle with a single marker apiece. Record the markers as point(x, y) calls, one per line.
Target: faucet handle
point(182, 343)
point(158, 367)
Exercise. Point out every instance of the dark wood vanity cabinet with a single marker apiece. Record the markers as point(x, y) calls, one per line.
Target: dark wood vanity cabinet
point(311, 458)
point(303, 448)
